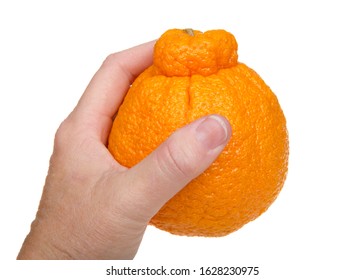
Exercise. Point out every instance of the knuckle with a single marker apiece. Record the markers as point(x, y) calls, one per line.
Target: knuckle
point(65, 135)
point(110, 59)
point(114, 61)
point(61, 135)
point(176, 161)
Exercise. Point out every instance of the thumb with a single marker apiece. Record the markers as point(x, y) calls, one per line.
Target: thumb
point(181, 158)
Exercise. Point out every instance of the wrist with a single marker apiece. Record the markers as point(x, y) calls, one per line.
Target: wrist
point(38, 246)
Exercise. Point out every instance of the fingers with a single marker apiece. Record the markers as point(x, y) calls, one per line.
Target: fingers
point(181, 158)
point(109, 85)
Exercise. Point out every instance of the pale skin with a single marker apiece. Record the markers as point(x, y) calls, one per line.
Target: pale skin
point(91, 206)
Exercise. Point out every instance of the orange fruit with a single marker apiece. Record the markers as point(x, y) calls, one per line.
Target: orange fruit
point(195, 74)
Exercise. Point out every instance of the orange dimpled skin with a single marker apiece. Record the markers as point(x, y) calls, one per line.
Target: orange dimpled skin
point(187, 52)
point(196, 74)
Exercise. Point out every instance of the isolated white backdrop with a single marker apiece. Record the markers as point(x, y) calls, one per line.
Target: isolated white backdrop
point(309, 52)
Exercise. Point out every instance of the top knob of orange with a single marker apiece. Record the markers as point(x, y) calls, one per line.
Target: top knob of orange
point(189, 52)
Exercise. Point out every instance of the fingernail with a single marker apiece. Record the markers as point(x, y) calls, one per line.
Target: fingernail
point(213, 131)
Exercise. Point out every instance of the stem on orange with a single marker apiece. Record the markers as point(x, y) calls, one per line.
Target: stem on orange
point(189, 31)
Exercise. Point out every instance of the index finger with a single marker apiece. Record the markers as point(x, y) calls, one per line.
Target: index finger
point(106, 90)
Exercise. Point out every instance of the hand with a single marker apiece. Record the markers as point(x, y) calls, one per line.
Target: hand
point(94, 208)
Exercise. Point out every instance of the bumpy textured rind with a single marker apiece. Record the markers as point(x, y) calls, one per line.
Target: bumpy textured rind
point(245, 179)
point(177, 53)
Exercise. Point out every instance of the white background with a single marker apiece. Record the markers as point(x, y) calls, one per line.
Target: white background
point(309, 52)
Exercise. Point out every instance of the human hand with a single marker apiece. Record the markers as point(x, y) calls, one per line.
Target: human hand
point(91, 206)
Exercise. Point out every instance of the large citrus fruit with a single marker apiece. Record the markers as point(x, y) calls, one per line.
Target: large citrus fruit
point(196, 74)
